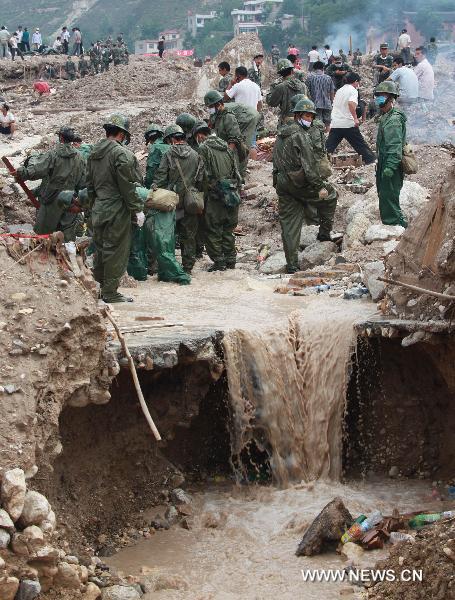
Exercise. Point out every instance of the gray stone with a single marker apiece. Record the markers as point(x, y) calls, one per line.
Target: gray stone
point(20, 228)
point(120, 592)
point(28, 590)
point(36, 508)
point(179, 496)
point(308, 235)
point(394, 471)
point(5, 539)
point(381, 232)
point(274, 264)
point(13, 492)
point(317, 254)
point(5, 521)
point(171, 515)
point(372, 271)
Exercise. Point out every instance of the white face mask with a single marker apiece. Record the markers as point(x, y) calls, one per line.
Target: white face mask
point(305, 123)
point(212, 110)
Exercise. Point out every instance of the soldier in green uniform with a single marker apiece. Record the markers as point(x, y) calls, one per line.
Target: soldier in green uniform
point(95, 58)
point(282, 93)
point(112, 176)
point(187, 122)
point(61, 168)
point(337, 71)
point(105, 58)
point(125, 54)
point(83, 67)
point(116, 55)
point(70, 69)
point(181, 157)
point(275, 54)
point(382, 64)
point(300, 179)
point(221, 185)
point(255, 73)
point(224, 69)
point(156, 149)
point(390, 142)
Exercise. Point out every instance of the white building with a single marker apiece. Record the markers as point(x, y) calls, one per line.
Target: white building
point(197, 22)
point(172, 41)
point(254, 15)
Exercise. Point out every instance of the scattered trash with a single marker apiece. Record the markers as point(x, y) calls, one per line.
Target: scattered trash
point(357, 530)
point(426, 519)
point(356, 292)
point(397, 536)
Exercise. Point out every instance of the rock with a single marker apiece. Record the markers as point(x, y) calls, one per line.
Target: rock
point(2, 563)
point(47, 554)
point(71, 560)
point(171, 515)
point(13, 492)
point(29, 542)
point(5, 539)
point(390, 246)
point(317, 254)
point(179, 496)
point(8, 587)
point(36, 509)
point(165, 581)
point(372, 271)
point(18, 297)
point(383, 232)
point(120, 592)
point(393, 472)
point(92, 592)
point(159, 523)
point(67, 576)
point(5, 521)
point(326, 530)
point(28, 590)
point(412, 198)
point(48, 525)
point(352, 552)
point(308, 235)
point(355, 230)
point(276, 263)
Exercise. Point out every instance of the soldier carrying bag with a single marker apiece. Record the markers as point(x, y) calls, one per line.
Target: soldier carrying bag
point(193, 201)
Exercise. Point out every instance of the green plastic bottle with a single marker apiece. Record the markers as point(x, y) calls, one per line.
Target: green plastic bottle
point(426, 519)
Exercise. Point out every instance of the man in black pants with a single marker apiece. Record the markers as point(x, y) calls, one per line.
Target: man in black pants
point(345, 122)
point(161, 47)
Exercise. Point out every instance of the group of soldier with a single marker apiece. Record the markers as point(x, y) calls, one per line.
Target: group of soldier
point(207, 157)
point(100, 56)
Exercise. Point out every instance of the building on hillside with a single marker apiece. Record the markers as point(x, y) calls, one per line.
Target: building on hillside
point(197, 21)
point(254, 15)
point(287, 21)
point(172, 42)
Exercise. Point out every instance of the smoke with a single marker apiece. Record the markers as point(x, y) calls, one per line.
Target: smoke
point(340, 34)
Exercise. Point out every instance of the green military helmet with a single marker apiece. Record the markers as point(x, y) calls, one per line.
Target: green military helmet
point(83, 197)
point(186, 122)
point(201, 126)
point(296, 99)
point(173, 130)
point(153, 129)
point(212, 97)
point(120, 121)
point(283, 65)
point(387, 87)
point(66, 197)
point(67, 133)
point(305, 106)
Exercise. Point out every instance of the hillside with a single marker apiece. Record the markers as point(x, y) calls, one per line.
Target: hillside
point(98, 18)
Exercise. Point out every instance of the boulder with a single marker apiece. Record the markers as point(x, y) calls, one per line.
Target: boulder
point(412, 198)
point(120, 592)
point(2, 564)
point(67, 576)
point(317, 254)
point(49, 523)
point(308, 235)
point(28, 590)
point(179, 496)
point(5, 539)
point(13, 492)
point(36, 509)
point(326, 530)
point(355, 230)
point(5, 521)
point(381, 232)
point(92, 592)
point(371, 272)
point(274, 264)
point(8, 587)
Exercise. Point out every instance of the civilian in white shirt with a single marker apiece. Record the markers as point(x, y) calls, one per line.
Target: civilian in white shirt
point(65, 37)
point(425, 75)
point(345, 123)
point(243, 90)
point(14, 45)
point(404, 44)
point(37, 40)
point(407, 82)
point(57, 45)
point(313, 57)
point(326, 54)
point(7, 121)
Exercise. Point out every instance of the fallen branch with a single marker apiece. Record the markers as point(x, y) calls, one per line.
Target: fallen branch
point(418, 289)
point(132, 366)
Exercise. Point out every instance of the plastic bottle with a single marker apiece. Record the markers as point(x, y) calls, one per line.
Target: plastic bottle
point(356, 531)
point(398, 536)
point(323, 287)
point(425, 519)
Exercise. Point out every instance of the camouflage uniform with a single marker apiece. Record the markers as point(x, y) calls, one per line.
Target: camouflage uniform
point(70, 69)
point(105, 59)
point(275, 54)
point(255, 75)
point(224, 83)
point(297, 179)
point(220, 220)
point(60, 168)
point(337, 79)
point(83, 67)
point(95, 59)
point(167, 176)
point(281, 95)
